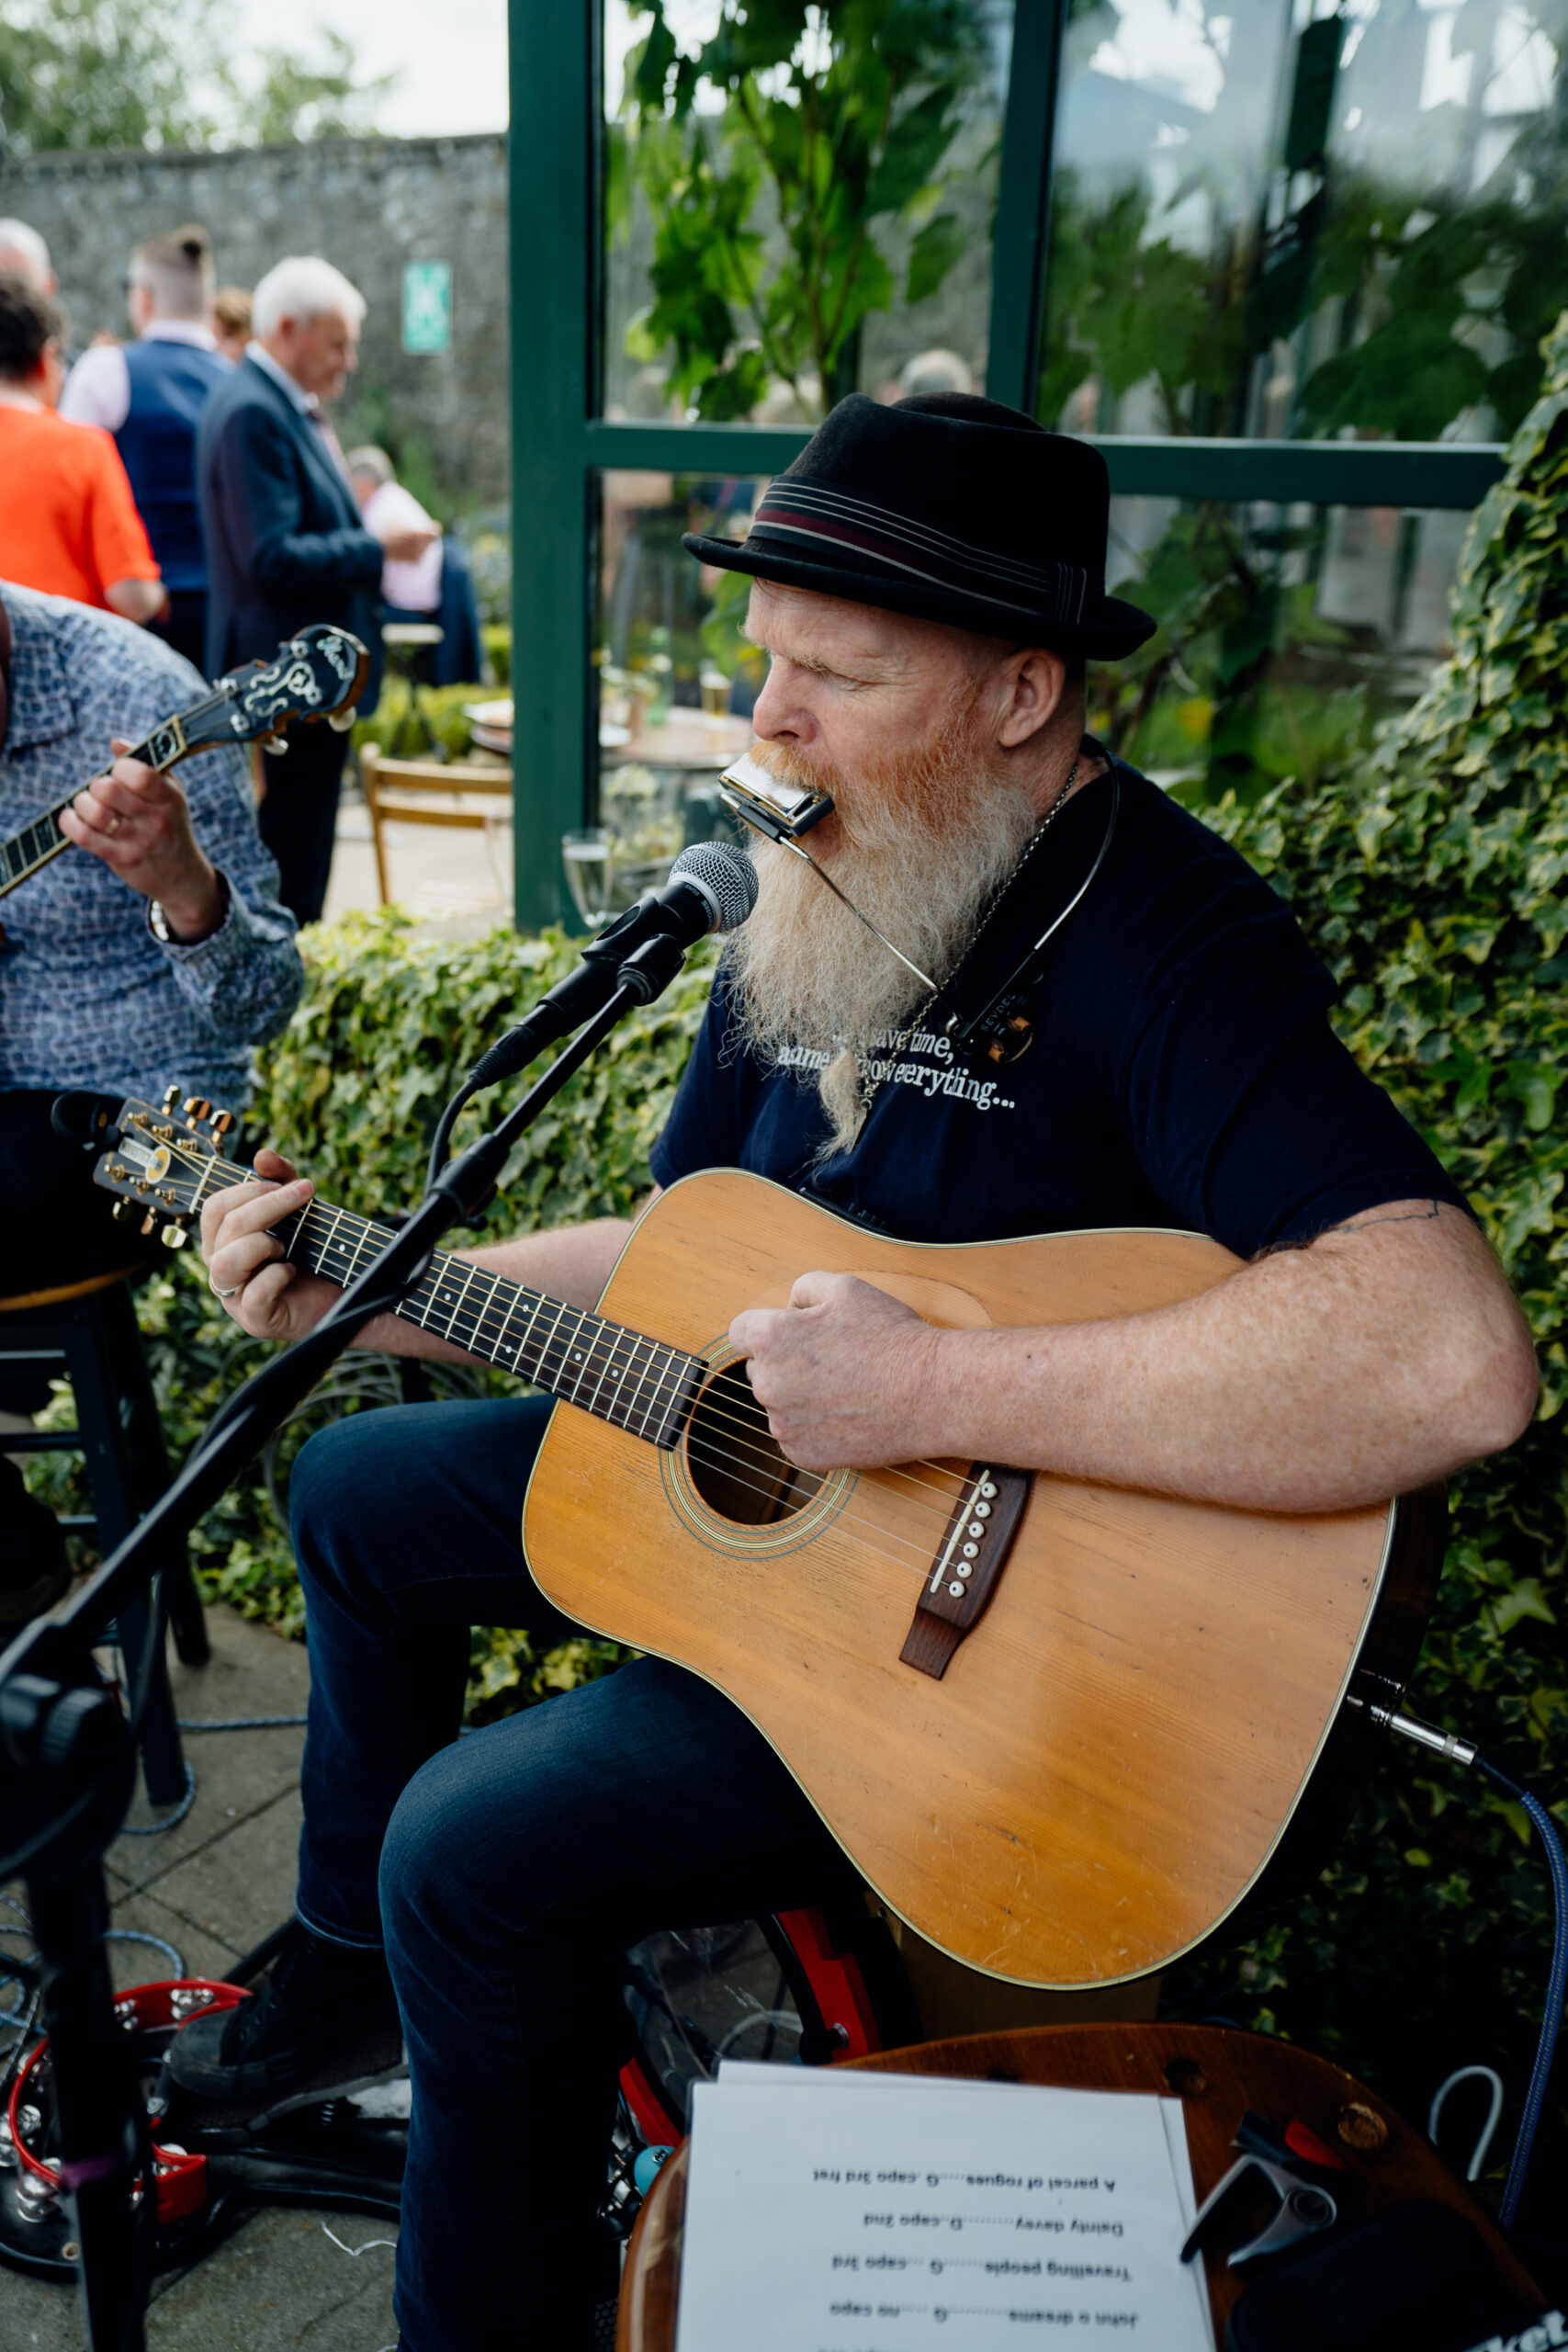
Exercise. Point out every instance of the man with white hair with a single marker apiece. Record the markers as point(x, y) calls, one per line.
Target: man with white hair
point(150, 395)
point(286, 545)
point(24, 254)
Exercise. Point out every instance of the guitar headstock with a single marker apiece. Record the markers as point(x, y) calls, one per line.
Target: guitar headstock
point(159, 1160)
point(319, 674)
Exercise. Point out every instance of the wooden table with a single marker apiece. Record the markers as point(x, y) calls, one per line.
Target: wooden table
point(1216, 2073)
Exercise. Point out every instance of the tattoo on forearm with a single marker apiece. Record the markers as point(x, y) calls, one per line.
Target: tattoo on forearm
point(1400, 1217)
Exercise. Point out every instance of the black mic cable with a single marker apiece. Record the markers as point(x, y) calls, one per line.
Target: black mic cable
point(711, 887)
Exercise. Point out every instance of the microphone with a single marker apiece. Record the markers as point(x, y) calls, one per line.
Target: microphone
point(712, 887)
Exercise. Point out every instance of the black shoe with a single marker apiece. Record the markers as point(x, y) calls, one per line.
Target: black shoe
point(317, 1998)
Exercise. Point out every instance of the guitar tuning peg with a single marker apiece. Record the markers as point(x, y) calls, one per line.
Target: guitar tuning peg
point(274, 745)
point(174, 1236)
point(122, 1210)
point(195, 1108)
point(149, 1223)
point(171, 1098)
point(340, 721)
point(221, 1122)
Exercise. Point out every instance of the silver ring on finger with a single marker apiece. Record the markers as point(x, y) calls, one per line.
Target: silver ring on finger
point(115, 823)
point(217, 1292)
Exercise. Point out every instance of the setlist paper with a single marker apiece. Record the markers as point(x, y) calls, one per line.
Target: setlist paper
point(840, 2213)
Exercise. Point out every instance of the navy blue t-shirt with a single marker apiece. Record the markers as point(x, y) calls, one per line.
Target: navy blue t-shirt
point(1182, 1073)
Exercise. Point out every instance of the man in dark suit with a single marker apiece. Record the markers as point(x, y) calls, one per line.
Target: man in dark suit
point(285, 542)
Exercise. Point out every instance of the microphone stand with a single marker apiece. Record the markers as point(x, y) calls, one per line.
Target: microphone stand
point(67, 1755)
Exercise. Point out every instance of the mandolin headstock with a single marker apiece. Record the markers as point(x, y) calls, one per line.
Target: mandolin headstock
point(159, 1161)
point(319, 674)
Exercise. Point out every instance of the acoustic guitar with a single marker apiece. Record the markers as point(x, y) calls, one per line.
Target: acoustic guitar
point(1063, 1729)
point(319, 674)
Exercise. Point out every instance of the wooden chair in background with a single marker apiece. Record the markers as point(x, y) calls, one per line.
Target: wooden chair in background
point(428, 792)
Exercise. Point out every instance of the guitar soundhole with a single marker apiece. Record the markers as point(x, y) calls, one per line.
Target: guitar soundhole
point(735, 1461)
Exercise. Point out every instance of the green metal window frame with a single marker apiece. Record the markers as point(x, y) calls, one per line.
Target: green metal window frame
point(559, 442)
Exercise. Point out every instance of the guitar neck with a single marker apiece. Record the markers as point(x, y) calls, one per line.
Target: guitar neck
point(619, 1374)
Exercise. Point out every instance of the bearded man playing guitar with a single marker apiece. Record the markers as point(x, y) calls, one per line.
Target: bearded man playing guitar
point(928, 578)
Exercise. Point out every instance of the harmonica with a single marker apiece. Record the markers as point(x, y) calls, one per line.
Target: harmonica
point(781, 811)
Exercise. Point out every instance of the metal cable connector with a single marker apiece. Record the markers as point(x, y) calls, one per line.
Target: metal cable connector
point(1447, 1743)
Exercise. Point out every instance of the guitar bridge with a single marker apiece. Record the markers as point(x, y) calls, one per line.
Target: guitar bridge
point(972, 1553)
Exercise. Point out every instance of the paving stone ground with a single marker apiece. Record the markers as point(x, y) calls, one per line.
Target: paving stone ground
point(212, 1887)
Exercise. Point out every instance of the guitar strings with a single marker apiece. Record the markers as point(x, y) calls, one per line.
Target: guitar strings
point(733, 1464)
point(947, 1495)
point(595, 1363)
point(592, 1364)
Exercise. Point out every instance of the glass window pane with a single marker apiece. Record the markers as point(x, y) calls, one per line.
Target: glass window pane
point(1272, 221)
point(793, 214)
point(675, 681)
point(1286, 634)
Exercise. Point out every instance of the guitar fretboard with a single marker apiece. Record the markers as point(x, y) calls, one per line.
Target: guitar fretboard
point(621, 1376)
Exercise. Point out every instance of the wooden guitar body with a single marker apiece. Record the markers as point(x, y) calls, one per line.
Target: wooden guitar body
point(1119, 1746)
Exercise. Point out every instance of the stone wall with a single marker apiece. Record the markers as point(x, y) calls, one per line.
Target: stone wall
point(369, 205)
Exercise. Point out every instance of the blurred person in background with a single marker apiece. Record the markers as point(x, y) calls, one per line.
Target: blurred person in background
point(24, 254)
point(231, 317)
point(285, 542)
point(68, 522)
point(439, 587)
point(150, 395)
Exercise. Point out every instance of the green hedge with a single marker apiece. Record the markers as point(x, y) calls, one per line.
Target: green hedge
point(1430, 876)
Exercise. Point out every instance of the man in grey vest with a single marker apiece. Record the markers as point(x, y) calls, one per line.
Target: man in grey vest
point(150, 395)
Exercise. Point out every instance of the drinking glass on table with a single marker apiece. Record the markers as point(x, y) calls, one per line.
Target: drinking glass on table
point(586, 855)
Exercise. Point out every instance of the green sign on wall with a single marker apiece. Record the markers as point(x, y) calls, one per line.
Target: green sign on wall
point(427, 306)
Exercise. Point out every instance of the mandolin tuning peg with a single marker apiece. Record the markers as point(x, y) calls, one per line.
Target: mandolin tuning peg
point(274, 745)
point(195, 1108)
point(174, 1236)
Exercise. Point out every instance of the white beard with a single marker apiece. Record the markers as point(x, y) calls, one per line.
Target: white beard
point(921, 853)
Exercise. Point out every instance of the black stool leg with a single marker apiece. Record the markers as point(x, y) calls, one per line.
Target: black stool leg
point(149, 1463)
point(90, 1362)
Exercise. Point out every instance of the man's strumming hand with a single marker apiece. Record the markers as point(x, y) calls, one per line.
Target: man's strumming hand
point(849, 1378)
point(137, 820)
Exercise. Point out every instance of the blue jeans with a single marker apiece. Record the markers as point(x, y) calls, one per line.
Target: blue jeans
point(507, 1875)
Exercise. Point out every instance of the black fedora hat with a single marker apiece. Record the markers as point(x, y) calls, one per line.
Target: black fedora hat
point(952, 508)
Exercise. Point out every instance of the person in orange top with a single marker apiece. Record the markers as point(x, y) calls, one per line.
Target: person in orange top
point(68, 522)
